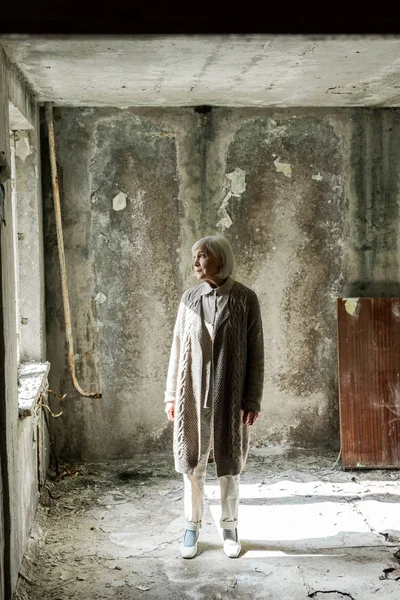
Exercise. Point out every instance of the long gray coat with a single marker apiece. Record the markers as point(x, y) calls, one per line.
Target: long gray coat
point(238, 374)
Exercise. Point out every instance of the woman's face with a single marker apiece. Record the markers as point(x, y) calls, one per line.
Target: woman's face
point(206, 265)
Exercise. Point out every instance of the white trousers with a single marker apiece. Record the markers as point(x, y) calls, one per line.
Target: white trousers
point(194, 486)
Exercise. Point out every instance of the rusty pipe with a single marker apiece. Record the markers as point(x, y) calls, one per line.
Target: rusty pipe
point(61, 253)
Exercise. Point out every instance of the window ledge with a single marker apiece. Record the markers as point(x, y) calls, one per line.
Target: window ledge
point(32, 381)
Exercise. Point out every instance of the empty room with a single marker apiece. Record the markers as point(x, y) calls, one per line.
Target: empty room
point(200, 317)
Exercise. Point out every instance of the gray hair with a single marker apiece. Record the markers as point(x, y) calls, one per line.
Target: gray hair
point(219, 247)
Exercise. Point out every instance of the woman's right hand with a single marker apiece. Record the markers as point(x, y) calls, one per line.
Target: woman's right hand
point(170, 410)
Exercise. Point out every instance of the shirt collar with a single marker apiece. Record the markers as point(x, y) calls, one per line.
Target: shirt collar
point(223, 290)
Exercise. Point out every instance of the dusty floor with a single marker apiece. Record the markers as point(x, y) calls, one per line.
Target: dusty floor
point(308, 530)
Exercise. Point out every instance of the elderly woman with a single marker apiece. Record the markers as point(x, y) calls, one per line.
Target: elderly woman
point(214, 386)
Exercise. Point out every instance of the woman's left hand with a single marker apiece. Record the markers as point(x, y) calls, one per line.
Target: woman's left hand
point(249, 417)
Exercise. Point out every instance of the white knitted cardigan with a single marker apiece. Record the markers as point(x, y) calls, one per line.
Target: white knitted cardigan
point(238, 375)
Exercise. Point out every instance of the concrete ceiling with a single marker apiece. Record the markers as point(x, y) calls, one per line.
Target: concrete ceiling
point(224, 70)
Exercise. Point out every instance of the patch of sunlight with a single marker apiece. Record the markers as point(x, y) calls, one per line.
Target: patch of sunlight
point(381, 515)
point(284, 488)
point(291, 522)
point(280, 554)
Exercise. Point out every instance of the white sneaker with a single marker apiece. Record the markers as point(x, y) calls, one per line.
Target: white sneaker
point(232, 546)
point(189, 544)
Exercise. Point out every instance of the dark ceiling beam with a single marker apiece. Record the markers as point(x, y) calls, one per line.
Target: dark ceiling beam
point(169, 17)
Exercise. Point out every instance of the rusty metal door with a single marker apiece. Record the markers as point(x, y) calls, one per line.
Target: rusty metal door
point(369, 381)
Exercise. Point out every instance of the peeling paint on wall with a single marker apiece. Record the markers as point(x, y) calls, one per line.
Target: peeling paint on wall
point(22, 147)
point(275, 129)
point(284, 168)
point(119, 201)
point(100, 298)
point(317, 177)
point(351, 305)
point(235, 186)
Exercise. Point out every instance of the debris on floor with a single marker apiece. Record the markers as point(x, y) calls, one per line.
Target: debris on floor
point(308, 530)
point(391, 573)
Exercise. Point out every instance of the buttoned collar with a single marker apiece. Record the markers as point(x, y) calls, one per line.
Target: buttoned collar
point(223, 290)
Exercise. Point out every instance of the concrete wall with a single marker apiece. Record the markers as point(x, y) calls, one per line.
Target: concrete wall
point(318, 219)
point(32, 441)
point(30, 253)
point(18, 446)
point(32, 455)
point(9, 403)
point(3, 440)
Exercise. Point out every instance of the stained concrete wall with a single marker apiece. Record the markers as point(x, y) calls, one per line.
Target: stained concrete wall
point(9, 403)
point(2, 357)
point(314, 216)
point(18, 445)
point(30, 252)
point(126, 269)
point(31, 473)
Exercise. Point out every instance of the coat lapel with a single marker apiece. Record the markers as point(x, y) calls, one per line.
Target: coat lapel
point(195, 334)
point(194, 307)
point(225, 314)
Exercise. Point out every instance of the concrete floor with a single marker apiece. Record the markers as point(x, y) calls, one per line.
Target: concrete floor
point(308, 530)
